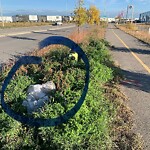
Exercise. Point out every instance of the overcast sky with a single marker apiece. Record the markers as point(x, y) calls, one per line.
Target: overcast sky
point(109, 8)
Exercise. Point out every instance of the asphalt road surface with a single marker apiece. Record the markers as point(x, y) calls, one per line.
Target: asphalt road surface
point(18, 41)
point(133, 57)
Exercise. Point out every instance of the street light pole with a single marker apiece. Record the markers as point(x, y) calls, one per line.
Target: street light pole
point(132, 13)
point(127, 13)
point(1, 13)
point(66, 7)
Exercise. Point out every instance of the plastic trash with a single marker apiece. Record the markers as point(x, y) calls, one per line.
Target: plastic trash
point(38, 96)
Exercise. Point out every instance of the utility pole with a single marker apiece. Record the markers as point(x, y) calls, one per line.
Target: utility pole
point(66, 7)
point(127, 13)
point(132, 13)
point(129, 7)
point(1, 13)
point(105, 14)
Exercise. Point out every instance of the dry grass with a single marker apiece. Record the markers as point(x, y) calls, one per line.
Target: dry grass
point(78, 37)
point(122, 132)
point(82, 36)
point(24, 24)
point(97, 32)
point(133, 30)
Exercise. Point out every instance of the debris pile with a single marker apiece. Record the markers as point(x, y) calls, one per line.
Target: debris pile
point(38, 96)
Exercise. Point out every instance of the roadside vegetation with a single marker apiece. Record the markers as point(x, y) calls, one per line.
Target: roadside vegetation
point(83, 15)
point(133, 30)
point(103, 122)
point(24, 24)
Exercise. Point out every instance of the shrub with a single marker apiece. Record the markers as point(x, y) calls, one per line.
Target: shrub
point(88, 129)
point(131, 26)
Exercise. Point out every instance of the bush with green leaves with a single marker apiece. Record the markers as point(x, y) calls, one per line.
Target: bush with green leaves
point(88, 129)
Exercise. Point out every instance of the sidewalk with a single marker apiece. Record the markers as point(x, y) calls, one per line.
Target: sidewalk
point(133, 57)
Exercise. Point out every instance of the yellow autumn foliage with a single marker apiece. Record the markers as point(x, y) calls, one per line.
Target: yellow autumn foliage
point(93, 15)
point(80, 16)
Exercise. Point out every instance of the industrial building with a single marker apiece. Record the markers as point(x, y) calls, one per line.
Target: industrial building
point(145, 17)
point(25, 18)
point(35, 18)
point(42, 18)
point(54, 18)
point(6, 19)
point(67, 18)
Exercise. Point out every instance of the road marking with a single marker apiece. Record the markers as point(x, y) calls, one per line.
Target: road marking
point(137, 58)
point(39, 30)
point(61, 28)
point(12, 34)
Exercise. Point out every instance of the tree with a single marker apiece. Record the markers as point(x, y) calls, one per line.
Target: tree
point(93, 15)
point(80, 14)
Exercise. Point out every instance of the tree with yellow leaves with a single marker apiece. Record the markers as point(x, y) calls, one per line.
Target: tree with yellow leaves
point(93, 15)
point(80, 14)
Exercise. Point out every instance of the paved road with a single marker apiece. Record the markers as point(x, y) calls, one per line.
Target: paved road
point(133, 57)
point(17, 41)
point(25, 30)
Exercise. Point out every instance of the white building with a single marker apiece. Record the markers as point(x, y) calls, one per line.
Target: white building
point(33, 18)
point(111, 20)
point(54, 18)
point(6, 19)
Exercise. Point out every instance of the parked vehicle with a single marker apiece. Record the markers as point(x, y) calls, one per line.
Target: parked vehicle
point(58, 23)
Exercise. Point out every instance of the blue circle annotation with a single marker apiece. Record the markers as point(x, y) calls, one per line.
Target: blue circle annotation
point(25, 60)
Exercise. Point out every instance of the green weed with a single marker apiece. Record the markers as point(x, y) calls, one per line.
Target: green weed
point(88, 129)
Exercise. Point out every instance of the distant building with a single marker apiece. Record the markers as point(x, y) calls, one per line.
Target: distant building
point(54, 18)
point(67, 18)
point(6, 19)
point(108, 19)
point(111, 20)
point(145, 17)
point(25, 18)
point(104, 19)
point(42, 18)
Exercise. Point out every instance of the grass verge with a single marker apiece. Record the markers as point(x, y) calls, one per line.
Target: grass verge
point(103, 122)
point(24, 24)
point(132, 29)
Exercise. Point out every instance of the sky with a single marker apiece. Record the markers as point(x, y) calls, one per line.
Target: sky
point(109, 8)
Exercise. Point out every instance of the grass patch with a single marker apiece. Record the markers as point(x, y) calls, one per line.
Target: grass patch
point(132, 29)
point(24, 24)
